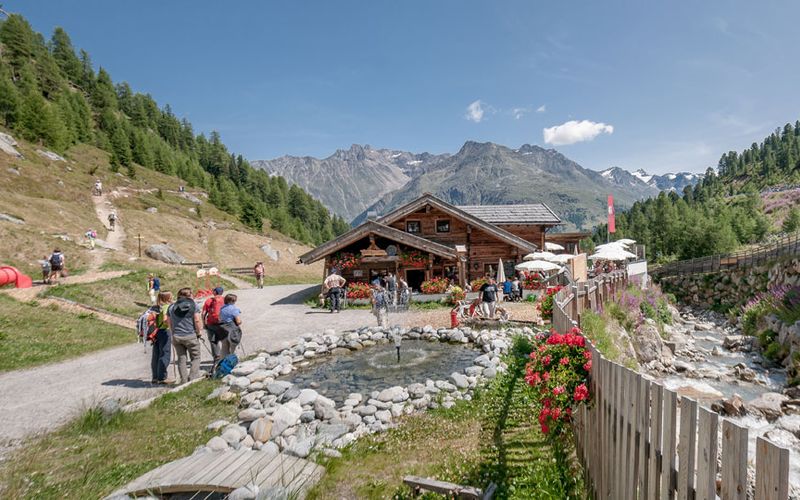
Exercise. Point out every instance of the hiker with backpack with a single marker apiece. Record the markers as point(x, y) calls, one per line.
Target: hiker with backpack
point(231, 322)
point(211, 309)
point(112, 220)
point(185, 326)
point(57, 261)
point(98, 188)
point(46, 270)
point(380, 303)
point(153, 287)
point(258, 270)
point(153, 326)
point(91, 235)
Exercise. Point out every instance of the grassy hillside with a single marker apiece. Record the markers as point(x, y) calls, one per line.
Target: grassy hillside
point(54, 200)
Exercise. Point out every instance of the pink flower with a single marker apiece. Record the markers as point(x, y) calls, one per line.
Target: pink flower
point(564, 361)
point(546, 376)
point(545, 429)
point(588, 366)
point(546, 360)
point(555, 413)
point(581, 393)
point(559, 390)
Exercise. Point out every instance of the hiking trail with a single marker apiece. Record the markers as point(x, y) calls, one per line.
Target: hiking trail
point(115, 239)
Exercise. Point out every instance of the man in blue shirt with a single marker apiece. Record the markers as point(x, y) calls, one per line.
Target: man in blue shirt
point(230, 320)
point(507, 289)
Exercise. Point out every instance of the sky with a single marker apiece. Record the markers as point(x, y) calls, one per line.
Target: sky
point(663, 86)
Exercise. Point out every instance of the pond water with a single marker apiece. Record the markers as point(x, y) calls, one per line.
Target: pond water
point(376, 368)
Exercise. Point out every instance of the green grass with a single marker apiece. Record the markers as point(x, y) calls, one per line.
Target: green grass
point(594, 327)
point(93, 456)
point(288, 279)
point(32, 335)
point(127, 295)
point(493, 438)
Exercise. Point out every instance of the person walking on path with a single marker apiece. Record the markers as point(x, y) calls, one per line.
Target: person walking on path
point(211, 312)
point(489, 298)
point(258, 270)
point(98, 188)
point(162, 352)
point(46, 270)
point(391, 287)
point(153, 287)
point(112, 220)
point(230, 319)
point(57, 261)
point(508, 290)
point(516, 289)
point(91, 235)
point(380, 304)
point(185, 325)
point(334, 283)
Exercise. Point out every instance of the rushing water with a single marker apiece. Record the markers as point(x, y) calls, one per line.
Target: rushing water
point(376, 368)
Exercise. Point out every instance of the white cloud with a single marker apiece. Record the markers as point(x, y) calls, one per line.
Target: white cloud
point(542, 108)
point(519, 112)
point(575, 131)
point(475, 112)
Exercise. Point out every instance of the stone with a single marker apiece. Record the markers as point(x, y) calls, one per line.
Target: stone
point(384, 416)
point(270, 448)
point(151, 210)
point(250, 414)
point(247, 492)
point(247, 442)
point(483, 360)
point(416, 390)
point(365, 410)
point(232, 436)
point(473, 371)
point(647, 343)
point(273, 254)
point(500, 345)
point(735, 342)
point(217, 444)
point(307, 416)
point(782, 438)
point(460, 380)
point(445, 386)
point(227, 396)
point(682, 366)
point(733, 406)
point(456, 336)
point(259, 375)
point(490, 372)
point(217, 425)
point(261, 429)
point(768, 404)
point(307, 397)
point(164, 253)
point(393, 394)
point(291, 393)
point(328, 433)
point(301, 447)
point(110, 407)
point(11, 219)
point(287, 415)
point(278, 387)
point(324, 408)
point(742, 372)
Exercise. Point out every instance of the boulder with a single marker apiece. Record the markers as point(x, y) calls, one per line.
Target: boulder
point(782, 438)
point(217, 444)
point(393, 394)
point(164, 253)
point(384, 416)
point(287, 415)
point(324, 408)
point(742, 372)
point(328, 433)
point(768, 404)
point(365, 410)
point(247, 492)
point(250, 414)
point(301, 446)
point(217, 425)
point(278, 387)
point(490, 372)
point(232, 436)
point(273, 254)
point(732, 407)
point(307, 397)
point(647, 343)
point(417, 390)
point(110, 407)
point(261, 429)
point(736, 342)
point(460, 380)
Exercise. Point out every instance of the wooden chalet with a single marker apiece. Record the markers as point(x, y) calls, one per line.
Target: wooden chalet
point(429, 238)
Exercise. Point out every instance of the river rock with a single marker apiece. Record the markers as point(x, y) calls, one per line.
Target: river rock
point(328, 433)
point(782, 438)
point(394, 394)
point(232, 436)
point(217, 444)
point(307, 416)
point(445, 386)
point(736, 342)
point(384, 416)
point(473, 371)
point(261, 429)
point(790, 423)
point(742, 372)
point(416, 390)
point(287, 415)
point(490, 372)
point(483, 360)
point(768, 404)
point(247, 492)
point(732, 407)
point(259, 375)
point(164, 253)
point(250, 414)
point(307, 397)
point(366, 410)
point(460, 380)
point(301, 446)
point(324, 408)
point(217, 425)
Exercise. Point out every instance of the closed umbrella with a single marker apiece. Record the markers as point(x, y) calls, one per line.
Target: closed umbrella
point(552, 247)
point(537, 265)
point(539, 256)
point(501, 272)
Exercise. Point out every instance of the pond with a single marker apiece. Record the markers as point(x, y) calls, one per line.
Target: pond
point(376, 368)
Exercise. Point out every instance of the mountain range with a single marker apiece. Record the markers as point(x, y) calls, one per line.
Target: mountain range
point(360, 180)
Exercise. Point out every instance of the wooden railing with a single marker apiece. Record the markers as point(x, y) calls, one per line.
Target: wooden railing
point(639, 440)
point(787, 245)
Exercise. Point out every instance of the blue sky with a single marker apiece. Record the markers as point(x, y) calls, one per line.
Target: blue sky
point(657, 85)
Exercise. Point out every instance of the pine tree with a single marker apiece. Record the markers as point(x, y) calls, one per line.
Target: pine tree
point(64, 54)
point(121, 147)
point(792, 221)
point(17, 38)
point(9, 102)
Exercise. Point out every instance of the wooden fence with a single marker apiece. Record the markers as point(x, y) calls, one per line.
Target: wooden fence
point(788, 245)
point(639, 440)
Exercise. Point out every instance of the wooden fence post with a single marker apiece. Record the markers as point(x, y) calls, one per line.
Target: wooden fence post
point(686, 448)
point(669, 441)
point(772, 471)
point(707, 456)
point(734, 461)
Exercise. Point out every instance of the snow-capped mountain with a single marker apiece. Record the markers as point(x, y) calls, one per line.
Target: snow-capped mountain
point(640, 178)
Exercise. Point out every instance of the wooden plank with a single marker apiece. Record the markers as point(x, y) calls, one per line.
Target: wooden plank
point(268, 475)
point(624, 441)
point(772, 471)
point(707, 455)
point(305, 478)
point(687, 448)
point(207, 468)
point(633, 415)
point(668, 444)
point(219, 476)
point(289, 471)
point(618, 419)
point(443, 487)
point(734, 461)
point(644, 435)
point(654, 449)
point(247, 472)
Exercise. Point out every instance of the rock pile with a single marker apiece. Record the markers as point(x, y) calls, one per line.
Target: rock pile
point(277, 416)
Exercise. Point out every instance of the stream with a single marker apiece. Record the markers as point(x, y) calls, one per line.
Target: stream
point(714, 363)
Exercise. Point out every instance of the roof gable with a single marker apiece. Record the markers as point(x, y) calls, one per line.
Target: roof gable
point(429, 199)
point(535, 213)
point(373, 227)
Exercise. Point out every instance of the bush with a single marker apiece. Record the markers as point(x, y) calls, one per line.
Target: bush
point(547, 301)
point(455, 295)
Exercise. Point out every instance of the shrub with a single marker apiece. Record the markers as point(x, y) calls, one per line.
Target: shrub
point(358, 290)
point(455, 295)
point(546, 304)
point(435, 285)
point(478, 283)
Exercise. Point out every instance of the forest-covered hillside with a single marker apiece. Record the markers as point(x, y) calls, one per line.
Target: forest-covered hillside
point(53, 96)
point(750, 195)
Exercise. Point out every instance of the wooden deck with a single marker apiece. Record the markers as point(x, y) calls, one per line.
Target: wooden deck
point(224, 471)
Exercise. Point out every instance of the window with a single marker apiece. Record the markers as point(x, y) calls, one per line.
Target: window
point(413, 226)
point(443, 226)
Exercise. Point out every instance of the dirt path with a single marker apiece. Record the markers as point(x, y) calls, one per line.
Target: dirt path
point(115, 239)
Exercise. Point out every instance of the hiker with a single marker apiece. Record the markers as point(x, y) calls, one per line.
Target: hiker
point(56, 260)
point(231, 321)
point(489, 298)
point(112, 220)
point(162, 353)
point(211, 309)
point(153, 287)
point(516, 289)
point(258, 270)
point(380, 304)
point(98, 188)
point(185, 325)
point(91, 235)
point(391, 287)
point(507, 290)
point(334, 283)
point(46, 270)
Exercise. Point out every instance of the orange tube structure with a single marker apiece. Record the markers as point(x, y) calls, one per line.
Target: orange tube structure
point(10, 275)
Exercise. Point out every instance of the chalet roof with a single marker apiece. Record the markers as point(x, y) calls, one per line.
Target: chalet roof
point(373, 227)
point(458, 212)
point(535, 213)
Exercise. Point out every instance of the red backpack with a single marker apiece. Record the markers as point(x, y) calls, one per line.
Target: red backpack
point(212, 315)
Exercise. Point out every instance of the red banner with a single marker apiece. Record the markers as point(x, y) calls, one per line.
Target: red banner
point(611, 221)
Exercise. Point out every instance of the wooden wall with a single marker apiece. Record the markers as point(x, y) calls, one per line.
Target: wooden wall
point(528, 232)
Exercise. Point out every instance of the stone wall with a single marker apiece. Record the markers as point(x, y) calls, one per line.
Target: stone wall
point(733, 288)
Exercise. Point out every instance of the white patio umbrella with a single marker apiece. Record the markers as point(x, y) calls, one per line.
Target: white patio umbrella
point(539, 256)
point(537, 265)
point(627, 241)
point(615, 254)
point(501, 272)
point(552, 247)
point(561, 258)
point(613, 244)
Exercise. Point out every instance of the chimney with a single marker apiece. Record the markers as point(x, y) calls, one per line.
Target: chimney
point(372, 215)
